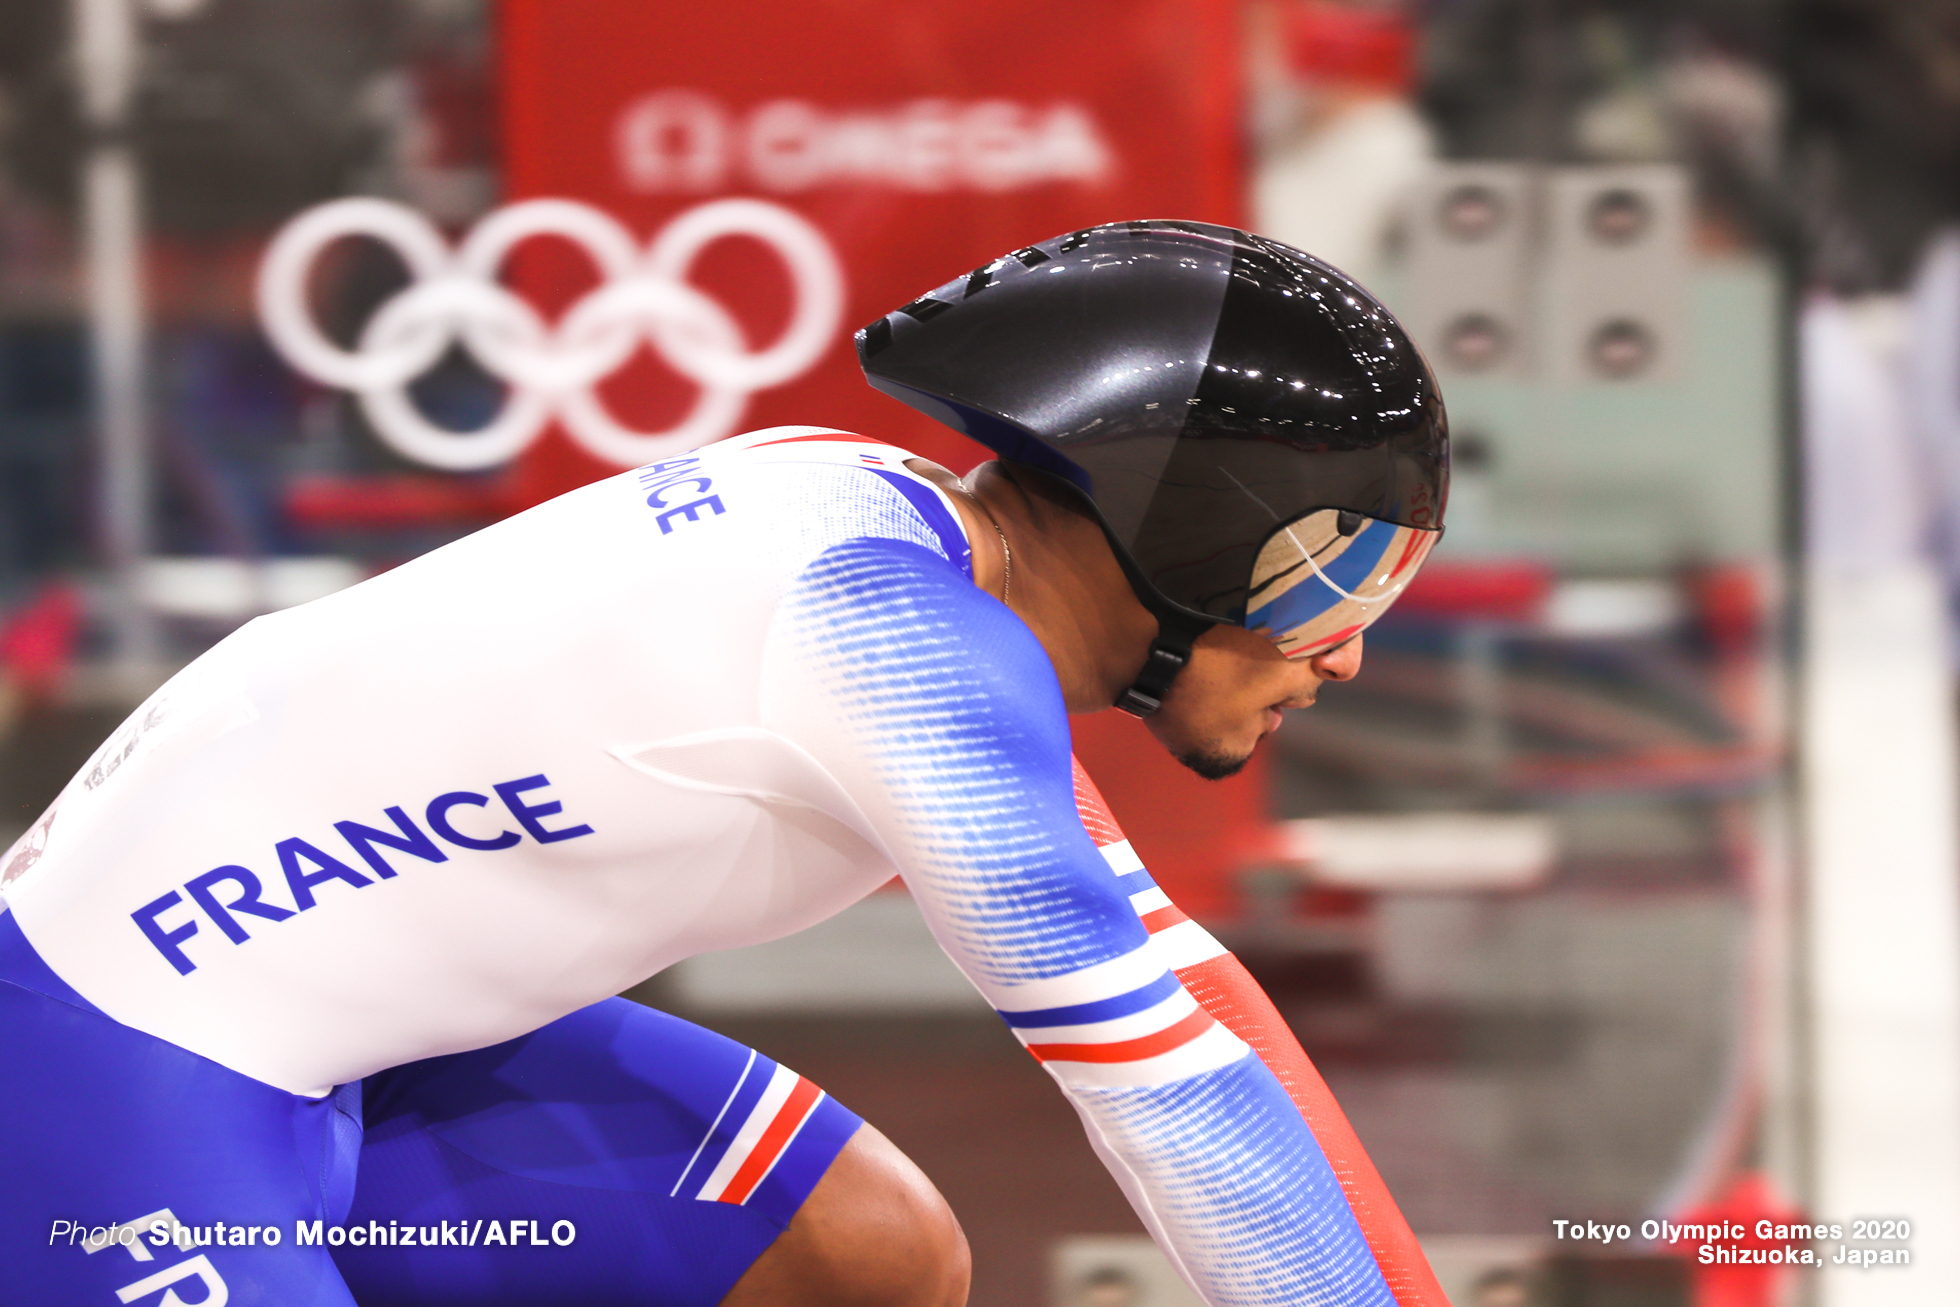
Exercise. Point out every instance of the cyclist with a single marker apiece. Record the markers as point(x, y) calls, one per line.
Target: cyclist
point(307, 969)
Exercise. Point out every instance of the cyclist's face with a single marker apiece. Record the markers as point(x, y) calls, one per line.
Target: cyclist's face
point(1233, 692)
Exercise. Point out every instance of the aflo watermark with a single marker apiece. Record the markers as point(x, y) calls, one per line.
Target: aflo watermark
point(519, 1232)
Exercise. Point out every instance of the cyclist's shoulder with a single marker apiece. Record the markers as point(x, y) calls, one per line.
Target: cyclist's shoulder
point(808, 490)
point(890, 625)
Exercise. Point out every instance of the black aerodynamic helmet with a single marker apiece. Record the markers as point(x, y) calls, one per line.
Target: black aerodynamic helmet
point(1259, 437)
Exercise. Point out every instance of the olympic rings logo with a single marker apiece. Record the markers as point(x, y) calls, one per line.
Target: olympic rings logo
point(551, 369)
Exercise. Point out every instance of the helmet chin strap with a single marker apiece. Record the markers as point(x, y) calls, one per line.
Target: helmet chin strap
point(1169, 652)
point(1177, 630)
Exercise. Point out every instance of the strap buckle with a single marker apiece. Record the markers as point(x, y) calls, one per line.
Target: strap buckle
point(1146, 695)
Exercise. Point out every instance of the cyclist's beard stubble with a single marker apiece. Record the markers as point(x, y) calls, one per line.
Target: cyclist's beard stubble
point(1212, 753)
point(1212, 763)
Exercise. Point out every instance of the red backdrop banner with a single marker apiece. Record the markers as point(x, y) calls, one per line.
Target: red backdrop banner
point(920, 140)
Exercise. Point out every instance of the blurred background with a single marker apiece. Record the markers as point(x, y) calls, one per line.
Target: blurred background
point(1621, 885)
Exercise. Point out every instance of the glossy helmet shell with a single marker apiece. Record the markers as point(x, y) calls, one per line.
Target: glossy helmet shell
point(1201, 386)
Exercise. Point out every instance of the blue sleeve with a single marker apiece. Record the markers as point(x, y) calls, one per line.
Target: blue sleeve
point(939, 713)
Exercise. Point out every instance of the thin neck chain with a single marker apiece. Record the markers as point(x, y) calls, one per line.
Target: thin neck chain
point(1006, 561)
point(1006, 554)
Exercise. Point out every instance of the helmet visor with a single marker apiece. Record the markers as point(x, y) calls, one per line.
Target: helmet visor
point(1321, 579)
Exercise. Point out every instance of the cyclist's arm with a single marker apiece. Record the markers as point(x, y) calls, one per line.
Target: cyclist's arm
point(1225, 989)
point(939, 714)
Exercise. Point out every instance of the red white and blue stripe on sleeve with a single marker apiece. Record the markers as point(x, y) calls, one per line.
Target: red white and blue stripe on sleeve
point(1128, 1021)
point(1153, 1029)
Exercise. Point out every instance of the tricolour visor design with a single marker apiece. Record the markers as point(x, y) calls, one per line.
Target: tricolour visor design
point(1323, 578)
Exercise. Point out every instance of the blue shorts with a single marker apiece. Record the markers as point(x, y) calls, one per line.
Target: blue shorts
point(618, 1155)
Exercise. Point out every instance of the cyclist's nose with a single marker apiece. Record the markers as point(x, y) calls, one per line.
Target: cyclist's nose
point(1340, 663)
